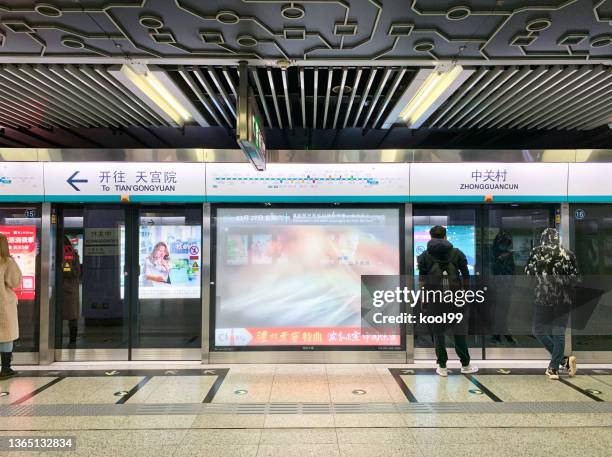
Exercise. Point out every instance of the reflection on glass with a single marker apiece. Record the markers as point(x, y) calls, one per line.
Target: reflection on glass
point(510, 234)
point(90, 299)
point(592, 229)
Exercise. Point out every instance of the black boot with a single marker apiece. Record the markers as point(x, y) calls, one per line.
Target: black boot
point(7, 372)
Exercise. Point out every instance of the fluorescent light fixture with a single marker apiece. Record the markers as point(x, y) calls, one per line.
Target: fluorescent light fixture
point(430, 95)
point(154, 87)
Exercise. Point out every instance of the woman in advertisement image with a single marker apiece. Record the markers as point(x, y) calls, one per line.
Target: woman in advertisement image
point(157, 265)
point(10, 279)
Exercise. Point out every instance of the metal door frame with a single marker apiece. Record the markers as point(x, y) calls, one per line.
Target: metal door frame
point(130, 353)
point(486, 353)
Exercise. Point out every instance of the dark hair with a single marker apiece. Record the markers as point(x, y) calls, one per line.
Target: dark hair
point(437, 231)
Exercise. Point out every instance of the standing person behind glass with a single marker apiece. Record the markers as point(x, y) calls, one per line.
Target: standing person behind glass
point(157, 265)
point(504, 270)
point(440, 258)
point(10, 278)
point(71, 278)
point(556, 275)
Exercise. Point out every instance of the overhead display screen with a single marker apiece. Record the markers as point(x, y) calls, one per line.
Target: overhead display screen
point(292, 276)
point(462, 237)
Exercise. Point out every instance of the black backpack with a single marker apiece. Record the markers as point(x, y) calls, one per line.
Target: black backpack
point(443, 274)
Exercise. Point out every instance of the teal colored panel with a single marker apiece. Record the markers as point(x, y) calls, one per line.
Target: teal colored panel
point(481, 198)
point(169, 198)
point(22, 198)
point(82, 198)
point(590, 198)
point(133, 198)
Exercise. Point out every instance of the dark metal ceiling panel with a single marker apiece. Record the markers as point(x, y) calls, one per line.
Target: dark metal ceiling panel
point(539, 97)
point(302, 97)
point(69, 96)
point(358, 31)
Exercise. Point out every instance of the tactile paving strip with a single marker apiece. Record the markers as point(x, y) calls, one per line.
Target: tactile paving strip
point(303, 408)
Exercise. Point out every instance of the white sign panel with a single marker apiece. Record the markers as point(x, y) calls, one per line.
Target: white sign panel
point(308, 182)
point(590, 182)
point(142, 181)
point(21, 181)
point(475, 181)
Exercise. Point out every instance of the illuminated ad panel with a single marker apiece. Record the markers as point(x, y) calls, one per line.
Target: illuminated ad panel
point(463, 237)
point(22, 246)
point(292, 276)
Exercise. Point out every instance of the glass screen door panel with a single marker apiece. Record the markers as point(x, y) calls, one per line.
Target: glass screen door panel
point(21, 225)
point(461, 223)
point(591, 225)
point(168, 312)
point(510, 233)
point(91, 300)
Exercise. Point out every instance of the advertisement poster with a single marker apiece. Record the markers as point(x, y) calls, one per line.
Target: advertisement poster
point(462, 237)
point(292, 277)
point(170, 261)
point(22, 246)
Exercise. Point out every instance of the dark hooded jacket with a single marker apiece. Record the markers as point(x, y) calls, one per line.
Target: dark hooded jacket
point(440, 250)
point(555, 270)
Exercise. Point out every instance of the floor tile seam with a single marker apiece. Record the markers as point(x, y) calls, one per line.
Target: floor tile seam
point(144, 400)
point(373, 427)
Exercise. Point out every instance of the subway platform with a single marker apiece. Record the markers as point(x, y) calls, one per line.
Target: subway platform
point(509, 408)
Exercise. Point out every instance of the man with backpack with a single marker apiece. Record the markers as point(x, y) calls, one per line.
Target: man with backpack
point(444, 267)
point(556, 273)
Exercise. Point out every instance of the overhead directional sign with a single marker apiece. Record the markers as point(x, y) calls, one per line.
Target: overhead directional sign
point(249, 123)
point(72, 180)
point(124, 181)
point(21, 181)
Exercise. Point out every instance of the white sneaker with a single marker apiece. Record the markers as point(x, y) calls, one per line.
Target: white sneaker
point(571, 366)
point(469, 369)
point(442, 371)
point(552, 373)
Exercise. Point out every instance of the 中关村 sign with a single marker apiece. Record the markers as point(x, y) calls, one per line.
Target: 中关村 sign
point(480, 181)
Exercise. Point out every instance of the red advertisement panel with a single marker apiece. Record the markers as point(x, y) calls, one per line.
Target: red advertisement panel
point(22, 246)
point(304, 336)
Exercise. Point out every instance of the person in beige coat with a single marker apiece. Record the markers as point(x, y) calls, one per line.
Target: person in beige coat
point(10, 278)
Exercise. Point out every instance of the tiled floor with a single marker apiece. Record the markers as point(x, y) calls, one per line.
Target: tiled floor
point(345, 430)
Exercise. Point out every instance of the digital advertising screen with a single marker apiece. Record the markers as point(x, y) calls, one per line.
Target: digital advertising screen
point(462, 237)
point(22, 246)
point(292, 276)
point(170, 261)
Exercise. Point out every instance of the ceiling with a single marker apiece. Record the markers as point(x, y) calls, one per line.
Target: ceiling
point(310, 30)
point(325, 74)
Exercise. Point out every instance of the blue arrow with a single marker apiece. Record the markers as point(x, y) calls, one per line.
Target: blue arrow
point(71, 181)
